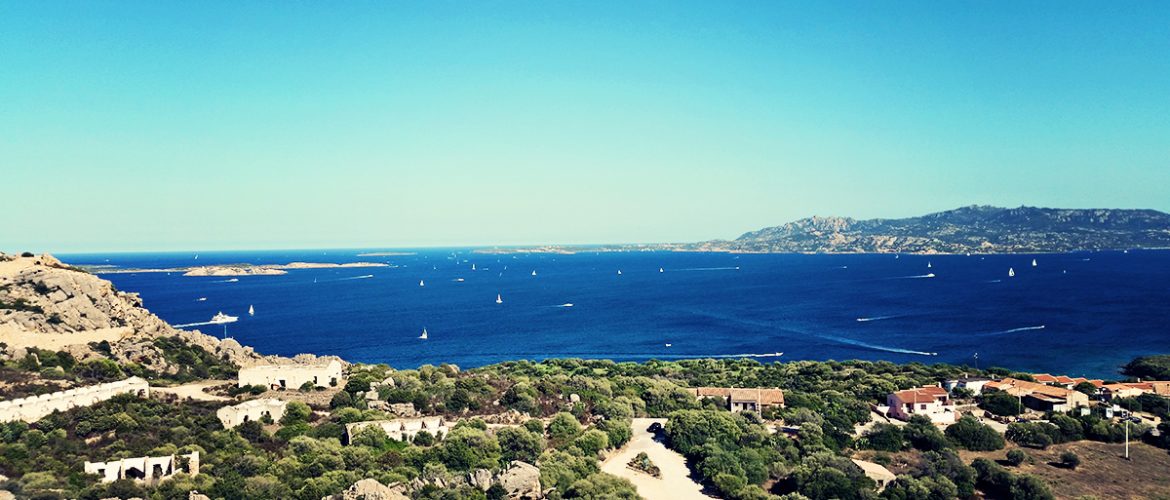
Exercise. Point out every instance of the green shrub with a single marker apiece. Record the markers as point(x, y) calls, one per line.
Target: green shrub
point(1016, 457)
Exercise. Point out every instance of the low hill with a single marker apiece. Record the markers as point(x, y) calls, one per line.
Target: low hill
point(973, 229)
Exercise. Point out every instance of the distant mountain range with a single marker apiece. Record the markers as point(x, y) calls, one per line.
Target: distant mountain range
point(975, 229)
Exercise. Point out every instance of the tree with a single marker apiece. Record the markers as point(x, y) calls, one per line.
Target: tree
point(563, 428)
point(973, 435)
point(885, 437)
point(296, 412)
point(1029, 487)
point(591, 442)
point(518, 443)
point(560, 469)
point(602, 486)
point(1000, 403)
point(689, 430)
point(1070, 459)
point(1086, 388)
point(465, 448)
point(924, 435)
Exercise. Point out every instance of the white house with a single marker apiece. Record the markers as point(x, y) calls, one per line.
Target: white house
point(931, 401)
point(973, 384)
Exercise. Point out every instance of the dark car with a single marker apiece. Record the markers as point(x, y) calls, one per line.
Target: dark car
point(655, 428)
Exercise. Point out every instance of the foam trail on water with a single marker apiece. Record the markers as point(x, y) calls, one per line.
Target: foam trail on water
point(920, 276)
point(194, 324)
point(859, 343)
point(877, 318)
point(362, 277)
point(1020, 329)
point(735, 268)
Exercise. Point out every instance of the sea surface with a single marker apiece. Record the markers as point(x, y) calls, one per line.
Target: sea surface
point(1076, 314)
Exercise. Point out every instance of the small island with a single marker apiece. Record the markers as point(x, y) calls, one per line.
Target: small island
point(235, 269)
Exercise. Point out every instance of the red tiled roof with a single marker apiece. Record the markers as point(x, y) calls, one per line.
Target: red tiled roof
point(761, 395)
point(921, 394)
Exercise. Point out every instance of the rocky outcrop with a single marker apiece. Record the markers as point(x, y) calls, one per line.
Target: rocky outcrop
point(45, 303)
point(371, 489)
point(520, 480)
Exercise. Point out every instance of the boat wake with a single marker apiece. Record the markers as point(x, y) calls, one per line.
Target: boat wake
point(877, 318)
point(858, 343)
point(566, 304)
point(362, 277)
point(202, 323)
point(233, 280)
point(1020, 329)
point(916, 277)
point(735, 268)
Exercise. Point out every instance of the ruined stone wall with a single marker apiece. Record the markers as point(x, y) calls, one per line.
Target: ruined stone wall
point(255, 409)
point(34, 408)
point(403, 429)
point(292, 376)
point(149, 470)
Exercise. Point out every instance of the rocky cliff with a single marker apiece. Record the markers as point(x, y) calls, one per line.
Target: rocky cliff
point(968, 229)
point(49, 305)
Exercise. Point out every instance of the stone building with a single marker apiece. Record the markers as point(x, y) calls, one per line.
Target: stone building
point(1040, 397)
point(149, 470)
point(34, 408)
point(292, 376)
point(255, 409)
point(402, 429)
point(741, 399)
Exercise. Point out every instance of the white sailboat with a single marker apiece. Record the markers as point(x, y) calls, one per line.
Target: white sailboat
point(1011, 272)
point(499, 299)
point(420, 283)
point(619, 272)
point(424, 334)
point(534, 272)
point(1033, 262)
point(251, 311)
point(661, 270)
point(473, 267)
point(928, 266)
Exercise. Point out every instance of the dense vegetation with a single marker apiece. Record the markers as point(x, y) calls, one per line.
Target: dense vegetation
point(1149, 367)
point(581, 409)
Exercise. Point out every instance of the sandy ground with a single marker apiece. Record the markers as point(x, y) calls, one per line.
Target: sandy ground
point(194, 390)
point(1103, 473)
point(675, 484)
point(16, 337)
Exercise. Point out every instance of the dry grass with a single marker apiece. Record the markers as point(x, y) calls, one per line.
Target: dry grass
point(1103, 472)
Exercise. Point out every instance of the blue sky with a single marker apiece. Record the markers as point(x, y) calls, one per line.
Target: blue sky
point(211, 125)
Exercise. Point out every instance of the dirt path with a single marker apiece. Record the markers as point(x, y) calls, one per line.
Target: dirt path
point(194, 390)
point(675, 483)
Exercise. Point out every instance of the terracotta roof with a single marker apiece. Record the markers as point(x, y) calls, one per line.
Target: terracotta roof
point(1018, 387)
point(761, 395)
point(921, 394)
point(1044, 378)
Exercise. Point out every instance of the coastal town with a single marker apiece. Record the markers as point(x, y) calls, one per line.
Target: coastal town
point(555, 429)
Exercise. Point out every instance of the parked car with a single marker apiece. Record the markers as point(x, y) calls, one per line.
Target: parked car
point(655, 428)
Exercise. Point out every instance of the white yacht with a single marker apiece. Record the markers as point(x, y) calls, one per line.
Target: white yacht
point(221, 318)
point(1011, 272)
point(424, 334)
point(251, 311)
point(499, 299)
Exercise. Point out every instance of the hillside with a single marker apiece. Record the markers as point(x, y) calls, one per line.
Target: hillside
point(45, 304)
point(982, 229)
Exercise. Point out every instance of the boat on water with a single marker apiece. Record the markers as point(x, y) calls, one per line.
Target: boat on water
point(251, 310)
point(201, 299)
point(661, 270)
point(619, 272)
point(1011, 272)
point(424, 334)
point(220, 318)
point(1033, 262)
point(420, 283)
point(499, 299)
point(473, 267)
point(534, 272)
point(459, 280)
point(928, 266)
point(567, 304)
point(668, 345)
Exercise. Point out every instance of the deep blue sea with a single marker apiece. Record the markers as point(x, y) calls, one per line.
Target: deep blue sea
point(1076, 314)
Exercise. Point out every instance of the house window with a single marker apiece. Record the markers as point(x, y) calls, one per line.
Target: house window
point(922, 406)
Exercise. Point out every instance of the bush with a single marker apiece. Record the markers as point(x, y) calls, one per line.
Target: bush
point(1070, 460)
point(1000, 403)
point(1032, 434)
point(1016, 457)
point(885, 437)
point(973, 435)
